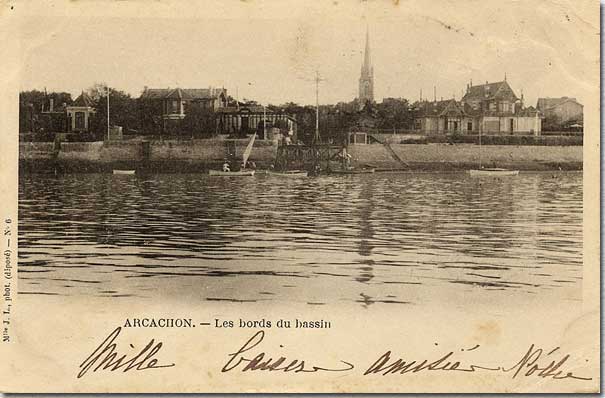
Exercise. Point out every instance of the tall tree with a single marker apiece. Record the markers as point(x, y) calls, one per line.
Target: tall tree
point(33, 103)
point(123, 110)
point(199, 121)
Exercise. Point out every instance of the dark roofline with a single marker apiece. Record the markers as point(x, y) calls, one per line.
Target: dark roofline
point(181, 93)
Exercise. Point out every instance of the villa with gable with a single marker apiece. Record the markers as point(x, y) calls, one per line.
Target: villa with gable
point(490, 108)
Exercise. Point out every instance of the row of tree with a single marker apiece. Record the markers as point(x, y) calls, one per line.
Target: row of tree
point(335, 120)
point(556, 123)
point(40, 116)
point(145, 117)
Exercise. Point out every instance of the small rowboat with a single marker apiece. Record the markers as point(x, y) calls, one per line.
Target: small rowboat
point(123, 172)
point(353, 171)
point(240, 173)
point(493, 172)
point(289, 173)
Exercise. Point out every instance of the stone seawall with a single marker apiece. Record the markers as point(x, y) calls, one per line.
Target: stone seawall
point(193, 155)
point(464, 156)
point(199, 155)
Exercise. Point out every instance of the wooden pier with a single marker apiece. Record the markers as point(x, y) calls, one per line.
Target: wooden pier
point(307, 157)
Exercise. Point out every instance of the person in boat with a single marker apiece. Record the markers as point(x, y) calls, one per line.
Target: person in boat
point(226, 167)
point(345, 158)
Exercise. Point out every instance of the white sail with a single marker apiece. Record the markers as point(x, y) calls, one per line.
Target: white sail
point(248, 150)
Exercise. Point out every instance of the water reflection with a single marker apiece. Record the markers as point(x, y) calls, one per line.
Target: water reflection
point(365, 240)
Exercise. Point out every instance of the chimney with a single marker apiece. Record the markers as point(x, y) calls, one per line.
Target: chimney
point(486, 82)
point(51, 105)
point(144, 88)
point(435, 93)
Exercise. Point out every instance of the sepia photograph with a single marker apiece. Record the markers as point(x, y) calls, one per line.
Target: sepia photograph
point(261, 196)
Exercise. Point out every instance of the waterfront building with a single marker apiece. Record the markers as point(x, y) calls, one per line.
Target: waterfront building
point(169, 106)
point(80, 113)
point(496, 109)
point(248, 119)
point(441, 117)
point(490, 108)
point(53, 118)
point(366, 78)
point(561, 112)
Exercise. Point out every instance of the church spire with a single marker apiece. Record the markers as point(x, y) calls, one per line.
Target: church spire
point(367, 64)
point(366, 80)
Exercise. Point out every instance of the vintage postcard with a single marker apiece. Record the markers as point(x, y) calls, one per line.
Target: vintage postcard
point(268, 196)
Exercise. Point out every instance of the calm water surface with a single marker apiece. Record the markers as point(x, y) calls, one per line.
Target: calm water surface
point(383, 239)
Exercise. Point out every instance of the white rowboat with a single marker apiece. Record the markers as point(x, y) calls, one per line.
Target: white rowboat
point(353, 171)
point(290, 173)
point(123, 172)
point(240, 173)
point(490, 172)
point(493, 172)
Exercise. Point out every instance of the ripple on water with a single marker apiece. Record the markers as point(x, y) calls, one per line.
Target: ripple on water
point(385, 239)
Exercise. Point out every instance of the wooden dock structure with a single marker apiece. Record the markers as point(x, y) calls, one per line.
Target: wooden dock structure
point(307, 157)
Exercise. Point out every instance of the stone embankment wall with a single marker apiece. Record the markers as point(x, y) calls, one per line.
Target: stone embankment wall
point(198, 155)
point(194, 155)
point(464, 156)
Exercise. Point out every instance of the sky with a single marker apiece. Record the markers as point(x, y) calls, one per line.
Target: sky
point(269, 50)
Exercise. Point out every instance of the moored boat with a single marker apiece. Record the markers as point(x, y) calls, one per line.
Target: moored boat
point(353, 171)
point(240, 173)
point(490, 171)
point(288, 173)
point(494, 172)
point(226, 172)
point(123, 172)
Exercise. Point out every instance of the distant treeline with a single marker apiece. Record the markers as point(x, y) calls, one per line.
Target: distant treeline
point(336, 120)
point(144, 118)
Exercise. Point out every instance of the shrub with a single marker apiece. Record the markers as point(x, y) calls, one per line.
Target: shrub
point(508, 140)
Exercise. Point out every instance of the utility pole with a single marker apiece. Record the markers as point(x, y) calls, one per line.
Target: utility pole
point(107, 112)
point(317, 80)
point(265, 122)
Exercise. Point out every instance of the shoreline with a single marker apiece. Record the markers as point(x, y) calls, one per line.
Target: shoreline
point(28, 170)
point(201, 156)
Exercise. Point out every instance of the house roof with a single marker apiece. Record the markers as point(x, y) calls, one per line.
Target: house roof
point(452, 107)
point(548, 103)
point(448, 107)
point(529, 111)
point(83, 100)
point(180, 93)
point(497, 90)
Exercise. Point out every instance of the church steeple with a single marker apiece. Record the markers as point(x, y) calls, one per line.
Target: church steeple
point(366, 80)
point(367, 64)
